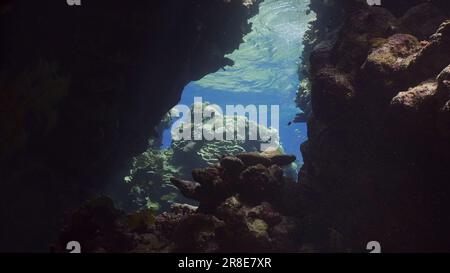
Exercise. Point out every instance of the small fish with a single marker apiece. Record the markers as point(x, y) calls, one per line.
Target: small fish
point(189, 147)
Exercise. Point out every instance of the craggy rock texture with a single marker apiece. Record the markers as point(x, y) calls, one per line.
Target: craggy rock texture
point(377, 157)
point(419, 18)
point(241, 209)
point(82, 88)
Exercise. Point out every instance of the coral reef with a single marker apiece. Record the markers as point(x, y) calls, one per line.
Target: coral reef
point(241, 209)
point(205, 152)
point(149, 180)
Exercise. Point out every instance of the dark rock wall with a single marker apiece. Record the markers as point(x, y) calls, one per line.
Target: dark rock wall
point(376, 162)
point(331, 16)
point(82, 88)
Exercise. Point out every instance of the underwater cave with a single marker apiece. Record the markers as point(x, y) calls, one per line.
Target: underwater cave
point(115, 133)
point(263, 71)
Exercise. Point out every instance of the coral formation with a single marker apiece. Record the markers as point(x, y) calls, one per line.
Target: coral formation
point(241, 209)
point(206, 151)
point(149, 178)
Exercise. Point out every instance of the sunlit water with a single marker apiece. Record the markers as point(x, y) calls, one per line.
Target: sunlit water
point(265, 70)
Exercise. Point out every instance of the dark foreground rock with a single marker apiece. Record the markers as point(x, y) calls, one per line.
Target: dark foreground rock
point(241, 209)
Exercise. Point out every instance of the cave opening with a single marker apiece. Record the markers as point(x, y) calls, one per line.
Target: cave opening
point(263, 71)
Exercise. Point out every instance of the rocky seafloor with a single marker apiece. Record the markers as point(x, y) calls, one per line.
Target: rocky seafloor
point(241, 209)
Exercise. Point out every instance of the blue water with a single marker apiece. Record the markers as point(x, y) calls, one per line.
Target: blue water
point(265, 70)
